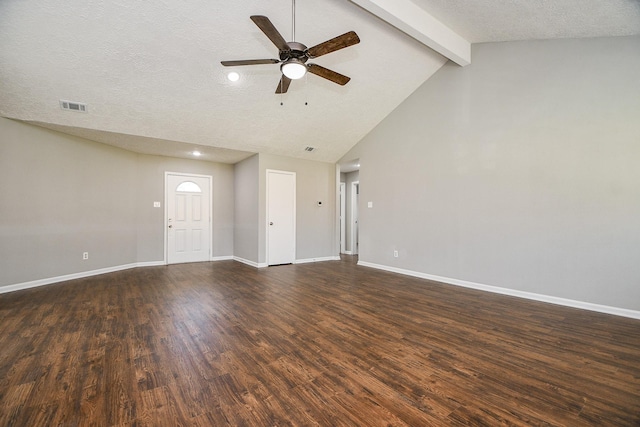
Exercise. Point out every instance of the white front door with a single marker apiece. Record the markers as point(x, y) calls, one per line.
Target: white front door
point(188, 202)
point(281, 217)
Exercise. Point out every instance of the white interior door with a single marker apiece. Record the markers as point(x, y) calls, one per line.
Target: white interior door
point(188, 202)
point(281, 217)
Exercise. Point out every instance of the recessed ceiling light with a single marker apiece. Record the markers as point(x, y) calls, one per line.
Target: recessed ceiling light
point(197, 153)
point(233, 76)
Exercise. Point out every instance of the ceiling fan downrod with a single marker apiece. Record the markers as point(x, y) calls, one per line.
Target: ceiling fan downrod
point(293, 20)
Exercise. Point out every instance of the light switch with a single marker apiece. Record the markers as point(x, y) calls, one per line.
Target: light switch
point(369, 204)
point(156, 204)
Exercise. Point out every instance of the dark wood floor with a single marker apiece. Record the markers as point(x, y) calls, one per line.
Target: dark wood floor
point(329, 344)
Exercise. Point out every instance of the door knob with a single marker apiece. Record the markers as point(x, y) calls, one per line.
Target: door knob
point(271, 223)
point(170, 226)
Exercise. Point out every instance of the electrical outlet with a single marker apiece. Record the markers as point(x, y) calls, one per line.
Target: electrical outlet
point(85, 255)
point(395, 254)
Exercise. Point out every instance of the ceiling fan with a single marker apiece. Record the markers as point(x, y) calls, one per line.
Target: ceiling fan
point(294, 55)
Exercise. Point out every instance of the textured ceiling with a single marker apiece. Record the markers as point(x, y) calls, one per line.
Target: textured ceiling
point(160, 147)
point(150, 72)
point(508, 20)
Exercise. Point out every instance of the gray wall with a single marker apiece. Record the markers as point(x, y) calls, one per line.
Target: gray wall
point(61, 196)
point(315, 225)
point(150, 184)
point(247, 183)
point(518, 171)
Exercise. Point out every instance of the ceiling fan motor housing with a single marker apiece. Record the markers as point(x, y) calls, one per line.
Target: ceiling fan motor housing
point(296, 50)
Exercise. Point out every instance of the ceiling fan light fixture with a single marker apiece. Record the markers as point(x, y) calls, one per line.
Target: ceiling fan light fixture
point(293, 56)
point(294, 69)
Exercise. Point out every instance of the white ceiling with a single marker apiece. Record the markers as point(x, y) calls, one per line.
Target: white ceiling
point(150, 72)
point(509, 20)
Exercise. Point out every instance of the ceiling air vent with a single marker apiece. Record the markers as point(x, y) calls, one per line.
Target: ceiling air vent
point(309, 148)
point(73, 106)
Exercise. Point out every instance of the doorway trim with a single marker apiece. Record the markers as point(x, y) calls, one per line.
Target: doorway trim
point(355, 214)
point(166, 211)
point(343, 217)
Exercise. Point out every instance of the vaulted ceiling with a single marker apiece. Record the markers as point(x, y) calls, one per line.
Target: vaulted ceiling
point(150, 72)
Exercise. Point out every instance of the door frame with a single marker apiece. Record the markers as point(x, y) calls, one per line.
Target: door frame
point(355, 214)
point(166, 211)
point(266, 216)
point(343, 217)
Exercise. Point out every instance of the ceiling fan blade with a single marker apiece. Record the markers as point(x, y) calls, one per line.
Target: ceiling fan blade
point(270, 31)
point(283, 84)
point(336, 43)
point(249, 62)
point(328, 74)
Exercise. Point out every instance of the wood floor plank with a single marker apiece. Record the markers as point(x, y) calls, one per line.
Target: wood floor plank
point(325, 344)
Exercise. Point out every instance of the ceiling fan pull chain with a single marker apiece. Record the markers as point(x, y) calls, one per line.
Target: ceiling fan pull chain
point(281, 83)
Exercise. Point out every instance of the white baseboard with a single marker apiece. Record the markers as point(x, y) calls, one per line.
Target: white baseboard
point(347, 253)
point(298, 261)
point(83, 274)
point(320, 259)
point(150, 263)
point(511, 292)
point(251, 263)
point(488, 288)
point(73, 276)
point(262, 265)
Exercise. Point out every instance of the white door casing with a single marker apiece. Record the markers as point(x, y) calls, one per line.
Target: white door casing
point(188, 217)
point(355, 190)
point(343, 217)
point(281, 217)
